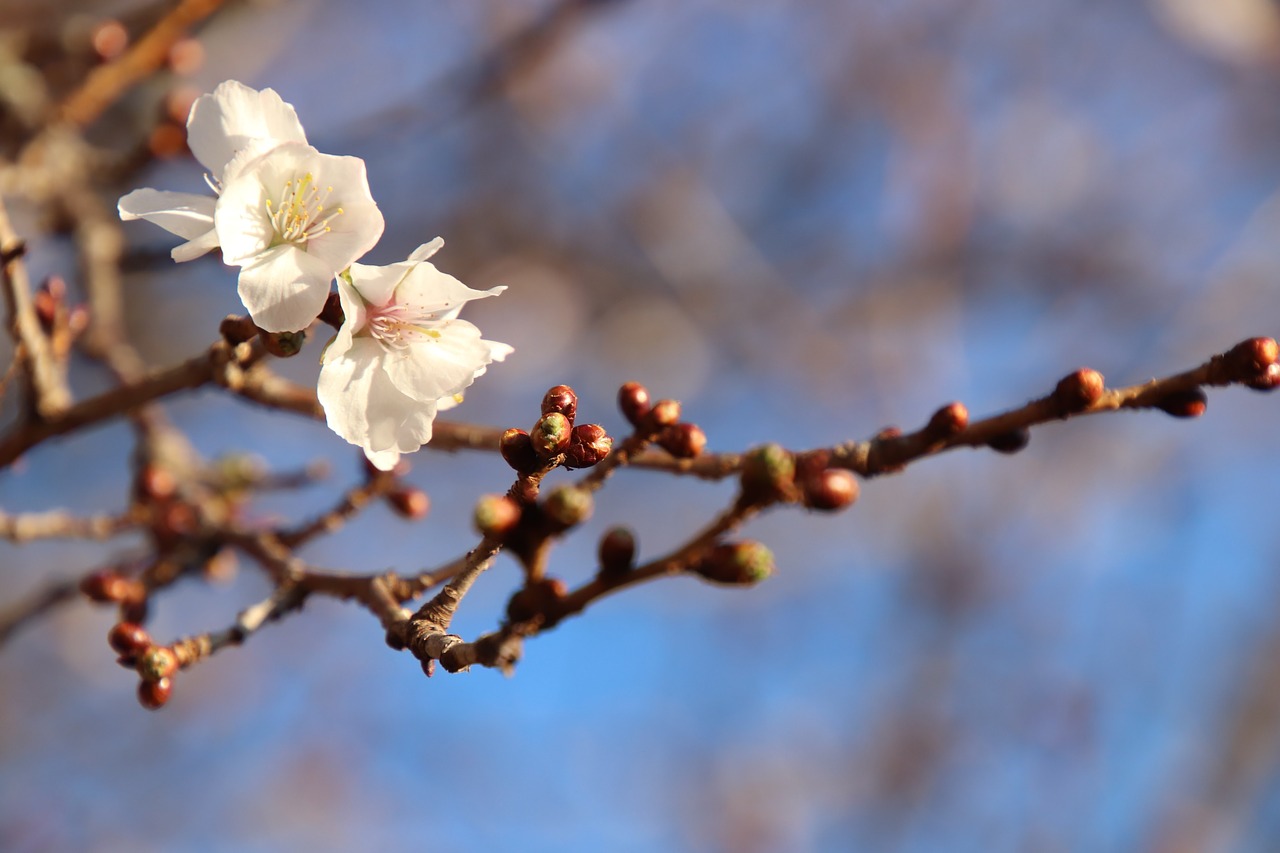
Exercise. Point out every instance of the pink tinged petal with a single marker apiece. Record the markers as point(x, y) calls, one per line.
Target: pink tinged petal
point(186, 214)
point(427, 288)
point(363, 407)
point(233, 116)
point(284, 288)
point(439, 365)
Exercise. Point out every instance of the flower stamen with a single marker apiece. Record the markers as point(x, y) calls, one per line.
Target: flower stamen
point(301, 214)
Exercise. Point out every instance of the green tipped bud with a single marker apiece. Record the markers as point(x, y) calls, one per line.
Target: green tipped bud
point(568, 505)
point(156, 663)
point(768, 472)
point(496, 515)
point(736, 564)
point(550, 435)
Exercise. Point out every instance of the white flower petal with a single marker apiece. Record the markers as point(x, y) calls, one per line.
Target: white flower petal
point(426, 250)
point(193, 249)
point(224, 122)
point(377, 284)
point(440, 364)
point(353, 320)
point(284, 288)
point(363, 407)
point(427, 288)
point(186, 214)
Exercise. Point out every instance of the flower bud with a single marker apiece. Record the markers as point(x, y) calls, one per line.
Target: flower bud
point(47, 302)
point(617, 552)
point(282, 344)
point(768, 472)
point(550, 435)
point(830, 490)
point(1250, 359)
point(1268, 380)
point(332, 314)
point(736, 564)
point(128, 638)
point(410, 503)
point(535, 599)
point(683, 441)
point(949, 421)
point(664, 413)
point(157, 662)
point(156, 483)
point(568, 505)
point(561, 399)
point(1184, 404)
point(236, 330)
point(109, 586)
point(517, 449)
point(587, 446)
point(1011, 441)
point(154, 694)
point(495, 515)
point(1078, 391)
point(633, 400)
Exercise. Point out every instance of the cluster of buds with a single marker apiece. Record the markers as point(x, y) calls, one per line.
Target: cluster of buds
point(660, 421)
point(1256, 363)
point(554, 438)
point(110, 586)
point(155, 665)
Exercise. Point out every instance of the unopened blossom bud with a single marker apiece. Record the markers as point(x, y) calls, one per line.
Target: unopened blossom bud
point(535, 599)
point(167, 140)
point(156, 483)
point(48, 300)
point(283, 344)
point(154, 694)
point(517, 449)
point(664, 413)
point(561, 399)
point(551, 434)
point(768, 472)
point(1250, 359)
point(408, 502)
point(736, 564)
point(617, 552)
point(1078, 391)
point(683, 441)
point(332, 314)
point(1268, 380)
point(1184, 404)
point(633, 400)
point(236, 330)
point(109, 38)
point(128, 638)
point(830, 490)
point(157, 662)
point(1011, 441)
point(950, 420)
point(109, 586)
point(587, 446)
point(496, 515)
point(568, 505)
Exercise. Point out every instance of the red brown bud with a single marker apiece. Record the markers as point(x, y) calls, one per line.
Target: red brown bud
point(496, 515)
point(157, 662)
point(154, 694)
point(830, 490)
point(517, 449)
point(535, 599)
point(109, 586)
point(410, 503)
point(1184, 404)
point(633, 400)
point(664, 413)
point(128, 638)
point(1268, 380)
point(950, 420)
point(332, 314)
point(156, 483)
point(561, 399)
point(1250, 359)
point(1011, 441)
point(617, 552)
point(236, 330)
point(683, 441)
point(1078, 391)
point(736, 564)
point(550, 435)
point(587, 446)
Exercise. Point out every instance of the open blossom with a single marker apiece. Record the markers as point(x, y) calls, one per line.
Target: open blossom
point(290, 217)
point(401, 355)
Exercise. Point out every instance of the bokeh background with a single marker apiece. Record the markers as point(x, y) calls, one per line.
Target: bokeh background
point(807, 221)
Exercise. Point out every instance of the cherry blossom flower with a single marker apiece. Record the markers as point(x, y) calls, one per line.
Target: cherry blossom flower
point(401, 356)
point(290, 217)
